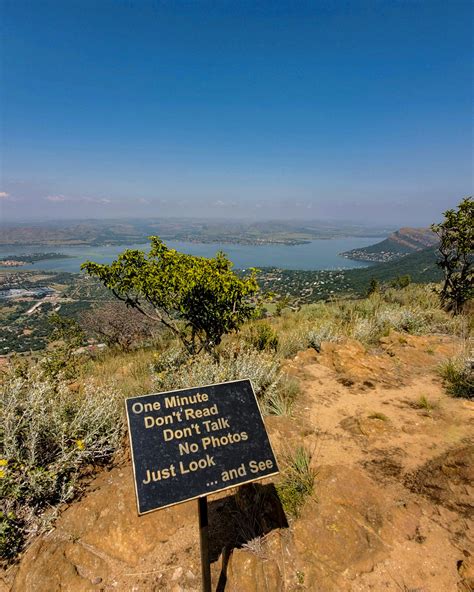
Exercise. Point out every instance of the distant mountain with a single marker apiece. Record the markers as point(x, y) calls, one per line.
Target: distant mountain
point(123, 232)
point(394, 247)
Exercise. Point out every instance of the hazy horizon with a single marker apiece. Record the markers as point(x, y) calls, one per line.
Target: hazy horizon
point(308, 222)
point(365, 214)
point(358, 112)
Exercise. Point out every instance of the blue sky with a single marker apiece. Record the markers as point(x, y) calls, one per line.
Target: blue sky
point(338, 110)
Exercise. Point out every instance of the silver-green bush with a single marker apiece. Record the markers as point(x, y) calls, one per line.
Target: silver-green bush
point(48, 432)
point(237, 361)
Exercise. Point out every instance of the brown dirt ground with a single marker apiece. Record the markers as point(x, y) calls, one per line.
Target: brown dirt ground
point(391, 511)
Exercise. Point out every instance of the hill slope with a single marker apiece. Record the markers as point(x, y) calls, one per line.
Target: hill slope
point(420, 266)
point(310, 286)
point(397, 245)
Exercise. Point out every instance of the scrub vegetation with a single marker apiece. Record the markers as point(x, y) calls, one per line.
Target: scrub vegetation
point(415, 310)
point(50, 432)
point(63, 413)
point(298, 481)
point(458, 374)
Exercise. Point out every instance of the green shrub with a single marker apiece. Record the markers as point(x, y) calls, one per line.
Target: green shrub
point(262, 337)
point(48, 433)
point(298, 481)
point(401, 281)
point(198, 299)
point(374, 286)
point(456, 237)
point(458, 376)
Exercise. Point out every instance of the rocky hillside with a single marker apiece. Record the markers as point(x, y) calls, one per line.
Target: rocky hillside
point(391, 507)
point(399, 243)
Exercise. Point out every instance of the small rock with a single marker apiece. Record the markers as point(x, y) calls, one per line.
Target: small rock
point(178, 572)
point(190, 575)
point(466, 571)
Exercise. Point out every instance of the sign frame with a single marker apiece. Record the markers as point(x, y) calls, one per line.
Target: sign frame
point(211, 492)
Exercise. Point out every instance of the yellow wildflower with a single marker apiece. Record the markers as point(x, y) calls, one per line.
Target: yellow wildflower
point(2, 473)
point(80, 444)
point(3, 462)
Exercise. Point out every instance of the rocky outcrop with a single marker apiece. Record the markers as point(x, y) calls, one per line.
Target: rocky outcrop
point(247, 571)
point(100, 541)
point(447, 480)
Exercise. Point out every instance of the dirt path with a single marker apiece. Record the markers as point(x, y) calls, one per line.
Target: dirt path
point(402, 440)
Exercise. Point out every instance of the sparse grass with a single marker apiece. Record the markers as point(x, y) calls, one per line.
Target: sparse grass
point(302, 335)
point(378, 415)
point(129, 372)
point(300, 577)
point(415, 310)
point(255, 546)
point(281, 401)
point(458, 376)
point(424, 403)
point(298, 481)
point(292, 339)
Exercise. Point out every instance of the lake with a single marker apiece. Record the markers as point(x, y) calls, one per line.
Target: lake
point(318, 254)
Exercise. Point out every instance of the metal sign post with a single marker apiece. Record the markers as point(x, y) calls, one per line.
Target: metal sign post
point(204, 539)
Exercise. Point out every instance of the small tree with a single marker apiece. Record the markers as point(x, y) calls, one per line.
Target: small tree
point(65, 338)
point(283, 303)
point(198, 299)
point(374, 286)
point(118, 325)
point(401, 281)
point(456, 250)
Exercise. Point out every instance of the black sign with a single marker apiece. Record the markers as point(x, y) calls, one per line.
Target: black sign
point(196, 441)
